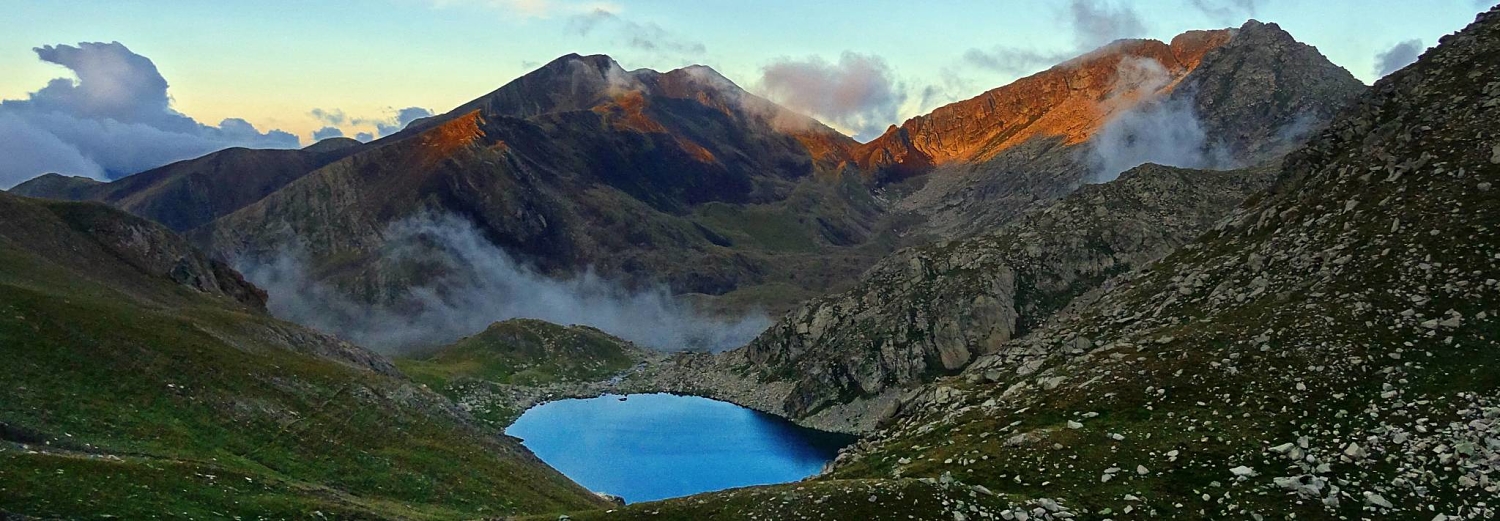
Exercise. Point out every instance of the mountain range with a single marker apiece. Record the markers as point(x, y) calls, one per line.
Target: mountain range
point(1022, 315)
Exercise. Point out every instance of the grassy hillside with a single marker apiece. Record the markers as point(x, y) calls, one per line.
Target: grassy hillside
point(526, 352)
point(133, 393)
point(497, 373)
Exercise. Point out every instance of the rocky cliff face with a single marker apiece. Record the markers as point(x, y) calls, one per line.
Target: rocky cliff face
point(1263, 93)
point(929, 311)
point(1251, 94)
point(1327, 350)
point(1061, 102)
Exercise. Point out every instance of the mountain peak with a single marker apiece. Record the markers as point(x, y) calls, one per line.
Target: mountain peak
point(1061, 102)
point(597, 61)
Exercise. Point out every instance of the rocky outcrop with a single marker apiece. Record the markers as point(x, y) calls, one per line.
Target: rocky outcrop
point(929, 311)
point(1263, 93)
point(1253, 96)
point(1329, 348)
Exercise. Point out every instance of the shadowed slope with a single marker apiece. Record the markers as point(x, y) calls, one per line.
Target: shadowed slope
point(143, 379)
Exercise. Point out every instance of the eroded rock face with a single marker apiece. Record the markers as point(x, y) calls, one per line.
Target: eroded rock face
point(1229, 92)
point(1253, 97)
point(1063, 101)
point(931, 310)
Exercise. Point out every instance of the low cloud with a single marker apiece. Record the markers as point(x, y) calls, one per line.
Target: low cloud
point(1153, 129)
point(647, 37)
point(402, 118)
point(1397, 57)
point(332, 118)
point(479, 284)
point(952, 87)
point(114, 120)
point(859, 93)
point(393, 122)
point(327, 132)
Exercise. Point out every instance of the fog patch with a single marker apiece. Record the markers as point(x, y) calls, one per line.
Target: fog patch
point(1099, 22)
point(481, 284)
point(1227, 11)
point(858, 94)
point(1150, 127)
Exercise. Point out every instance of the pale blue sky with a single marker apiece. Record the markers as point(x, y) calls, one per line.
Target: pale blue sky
point(272, 61)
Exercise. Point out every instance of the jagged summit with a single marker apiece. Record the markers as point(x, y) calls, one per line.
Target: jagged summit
point(1061, 102)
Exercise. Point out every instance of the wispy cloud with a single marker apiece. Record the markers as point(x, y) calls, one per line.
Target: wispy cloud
point(532, 8)
point(1012, 60)
point(391, 123)
point(641, 36)
point(858, 94)
point(1098, 22)
point(1232, 12)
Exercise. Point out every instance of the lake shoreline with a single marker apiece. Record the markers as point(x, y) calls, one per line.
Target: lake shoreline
point(646, 447)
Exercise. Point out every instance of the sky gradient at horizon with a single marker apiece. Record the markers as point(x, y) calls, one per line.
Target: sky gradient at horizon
point(272, 62)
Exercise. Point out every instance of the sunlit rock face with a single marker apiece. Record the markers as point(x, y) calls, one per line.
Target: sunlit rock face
point(1066, 101)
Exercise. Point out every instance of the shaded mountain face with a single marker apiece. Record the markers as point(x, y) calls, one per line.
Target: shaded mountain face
point(188, 194)
point(118, 250)
point(685, 180)
point(142, 378)
point(679, 178)
point(1328, 350)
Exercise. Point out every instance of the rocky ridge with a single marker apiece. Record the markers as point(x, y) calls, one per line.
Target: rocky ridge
point(678, 178)
point(1326, 350)
point(931, 310)
point(1063, 101)
point(1253, 96)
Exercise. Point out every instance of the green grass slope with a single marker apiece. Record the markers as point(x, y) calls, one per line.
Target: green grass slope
point(136, 390)
point(497, 373)
point(526, 352)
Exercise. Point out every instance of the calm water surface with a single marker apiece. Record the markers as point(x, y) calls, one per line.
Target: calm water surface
point(656, 446)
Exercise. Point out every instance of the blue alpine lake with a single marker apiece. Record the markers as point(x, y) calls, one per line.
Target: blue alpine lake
point(657, 446)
